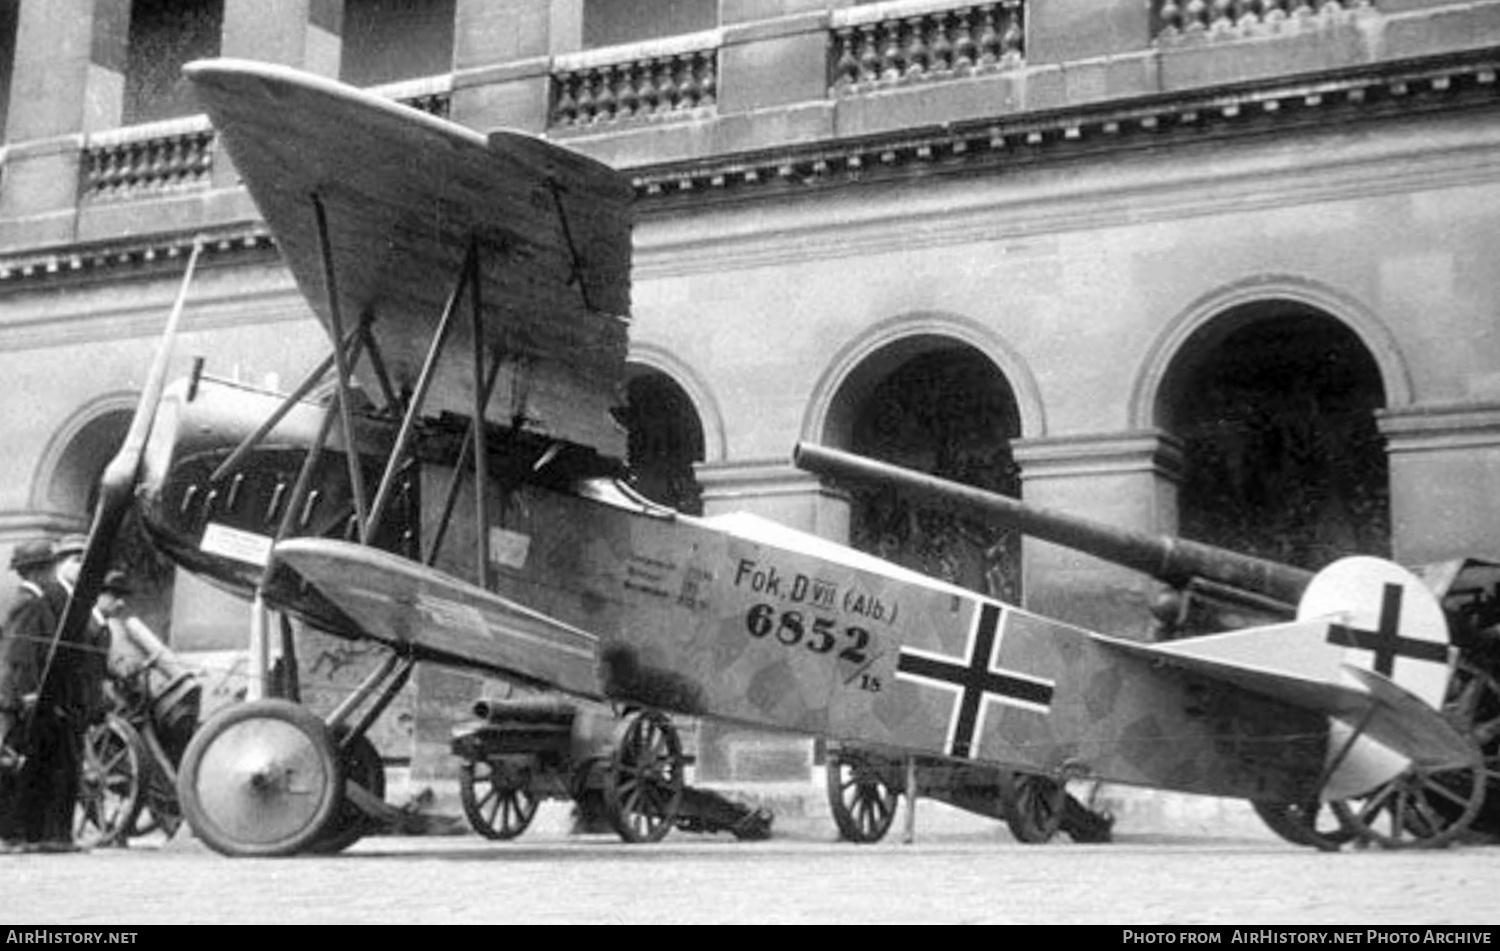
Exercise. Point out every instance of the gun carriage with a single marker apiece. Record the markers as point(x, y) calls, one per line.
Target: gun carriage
point(630, 768)
point(1208, 589)
point(865, 787)
point(129, 776)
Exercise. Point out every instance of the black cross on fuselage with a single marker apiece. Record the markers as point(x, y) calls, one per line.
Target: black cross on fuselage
point(976, 679)
point(1386, 640)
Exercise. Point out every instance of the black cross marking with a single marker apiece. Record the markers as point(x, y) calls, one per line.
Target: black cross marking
point(1386, 640)
point(976, 679)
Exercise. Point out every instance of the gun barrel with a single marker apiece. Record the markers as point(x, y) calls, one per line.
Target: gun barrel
point(1173, 560)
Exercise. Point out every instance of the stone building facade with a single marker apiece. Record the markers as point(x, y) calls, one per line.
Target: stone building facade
point(1227, 267)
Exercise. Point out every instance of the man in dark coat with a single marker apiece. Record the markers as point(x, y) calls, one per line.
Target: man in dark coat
point(50, 692)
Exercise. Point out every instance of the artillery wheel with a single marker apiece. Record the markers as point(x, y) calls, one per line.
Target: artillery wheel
point(644, 778)
point(1424, 808)
point(1420, 808)
point(363, 767)
point(861, 796)
point(261, 778)
point(498, 802)
point(1313, 824)
point(1035, 812)
point(111, 783)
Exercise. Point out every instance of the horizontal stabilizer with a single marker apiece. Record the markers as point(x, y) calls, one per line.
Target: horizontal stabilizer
point(1288, 662)
point(404, 603)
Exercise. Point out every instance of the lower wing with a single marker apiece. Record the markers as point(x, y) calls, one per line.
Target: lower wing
point(403, 603)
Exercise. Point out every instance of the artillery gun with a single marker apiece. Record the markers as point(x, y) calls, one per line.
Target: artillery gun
point(1210, 589)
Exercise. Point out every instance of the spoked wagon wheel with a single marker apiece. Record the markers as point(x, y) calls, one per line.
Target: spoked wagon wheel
point(1424, 808)
point(497, 800)
point(862, 795)
point(261, 778)
point(643, 780)
point(111, 783)
point(1035, 812)
point(1421, 808)
point(1315, 824)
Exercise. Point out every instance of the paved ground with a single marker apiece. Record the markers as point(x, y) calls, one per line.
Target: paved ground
point(957, 871)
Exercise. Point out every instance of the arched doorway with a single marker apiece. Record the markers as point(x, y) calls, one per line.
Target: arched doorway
point(665, 439)
point(1274, 402)
point(71, 489)
point(941, 407)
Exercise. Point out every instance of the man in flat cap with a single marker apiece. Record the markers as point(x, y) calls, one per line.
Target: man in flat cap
point(51, 689)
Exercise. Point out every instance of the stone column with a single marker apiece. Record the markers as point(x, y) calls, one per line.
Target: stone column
point(68, 80)
point(1124, 480)
point(501, 59)
point(1445, 480)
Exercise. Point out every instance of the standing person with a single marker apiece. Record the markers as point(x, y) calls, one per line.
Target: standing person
point(27, 610)
point(64, 681)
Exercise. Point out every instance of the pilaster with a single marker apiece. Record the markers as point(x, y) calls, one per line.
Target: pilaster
point(1120, 480)
point(68, 80)
point(501, 58)
point(303, 34)
point(1445, 475)
point(776, 490)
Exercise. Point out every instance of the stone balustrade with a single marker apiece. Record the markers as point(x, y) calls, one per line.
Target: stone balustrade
point(676, 77)
point(161, 158)
point(891, 43)
point(1185, 16)
point(148, 160)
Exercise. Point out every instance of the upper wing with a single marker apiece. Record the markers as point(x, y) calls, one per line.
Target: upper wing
point(406, 195)
point(404, 603)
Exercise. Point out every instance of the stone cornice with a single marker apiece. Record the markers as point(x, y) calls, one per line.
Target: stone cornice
point(1099, 454)
point(1386, 90)
point(1441, 427)
point(144, 255)
point(1451, 83)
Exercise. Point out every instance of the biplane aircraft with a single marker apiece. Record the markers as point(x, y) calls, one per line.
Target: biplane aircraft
point(461, 500)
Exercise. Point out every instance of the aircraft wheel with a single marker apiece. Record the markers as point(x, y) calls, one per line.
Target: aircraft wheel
point(643, 781)
point(861, 796)
point(363, 767)
point(1035, 812)
point(1313, 824)
point(496, 799)
point(261, 778)
point(111, 783)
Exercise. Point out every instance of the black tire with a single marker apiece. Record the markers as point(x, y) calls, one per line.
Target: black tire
point(261, 778)
point(1035, 811)
point(1316, 824)
point(111, 784)
point(498, 805)
point(862, 795)
point(644, 778)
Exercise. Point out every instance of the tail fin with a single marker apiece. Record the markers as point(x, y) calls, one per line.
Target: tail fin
point(1370, 650)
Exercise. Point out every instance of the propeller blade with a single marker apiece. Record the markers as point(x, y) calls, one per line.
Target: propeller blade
point(117, 485)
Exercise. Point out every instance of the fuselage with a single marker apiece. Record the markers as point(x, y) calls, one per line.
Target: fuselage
point(732, 617)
